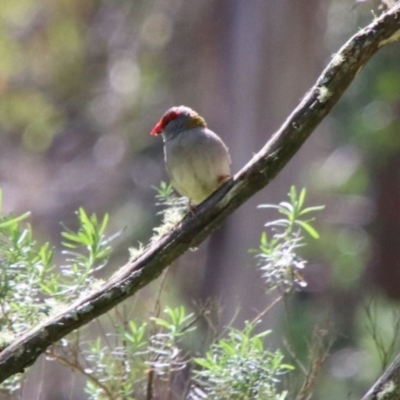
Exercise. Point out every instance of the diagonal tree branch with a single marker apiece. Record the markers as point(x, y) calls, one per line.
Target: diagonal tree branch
point(263, 167)
point(387, 387)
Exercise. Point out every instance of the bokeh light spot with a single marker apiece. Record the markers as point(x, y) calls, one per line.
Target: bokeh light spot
point(157, 30)
point(125, 77)
point(109, 150)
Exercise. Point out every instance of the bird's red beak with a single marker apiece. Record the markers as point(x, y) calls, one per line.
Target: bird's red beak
point(157, 129)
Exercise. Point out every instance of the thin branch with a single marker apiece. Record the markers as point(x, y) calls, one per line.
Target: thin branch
point(266, 310)
point(317, 354)
point(76, 367)
point(257, 174)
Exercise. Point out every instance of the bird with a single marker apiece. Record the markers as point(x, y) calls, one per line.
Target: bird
point(196, 158)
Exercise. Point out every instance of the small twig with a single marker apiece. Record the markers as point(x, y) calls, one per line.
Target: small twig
point(293, 354)
point(156, 313)
point(78, 368)
point(157, 304)
point(194, 320)
point(41, 382)
point(317, 355)
point(103, 333)
point(267, 309)
point(149, 394)
point(385, 350)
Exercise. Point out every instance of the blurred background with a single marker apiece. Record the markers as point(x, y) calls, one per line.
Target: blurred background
point(82, 83)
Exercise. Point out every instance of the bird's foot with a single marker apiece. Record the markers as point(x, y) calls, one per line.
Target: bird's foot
point(192, 208)
point(223, 178)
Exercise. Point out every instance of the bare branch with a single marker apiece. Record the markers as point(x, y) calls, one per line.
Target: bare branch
point(260, 170)
point(388, 385)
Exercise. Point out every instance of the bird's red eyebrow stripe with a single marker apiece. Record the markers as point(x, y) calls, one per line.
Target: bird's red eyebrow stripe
point(157, 129)
point(163, 122)
point(169, 117)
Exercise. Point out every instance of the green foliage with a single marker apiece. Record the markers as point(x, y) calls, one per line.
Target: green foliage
point(173, 209)
point(166, 196)
point(165, 354)
point(24, 268)
point(167, 199)
point(88, 251)
point(115, 371)
point(138, 355)
point(30, 285)
point(137, 358)
point(277, 254)
point(239, 368)
point(292, 212)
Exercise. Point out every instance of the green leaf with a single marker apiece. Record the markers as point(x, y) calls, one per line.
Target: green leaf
point(73, 237)
point(311, 209)
point(293, 194)
point(264, 239)
point(161, 322)
point(302, 198)
point(268, 206)
point(104, 224)
point(309, 229)
point(14, 220)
